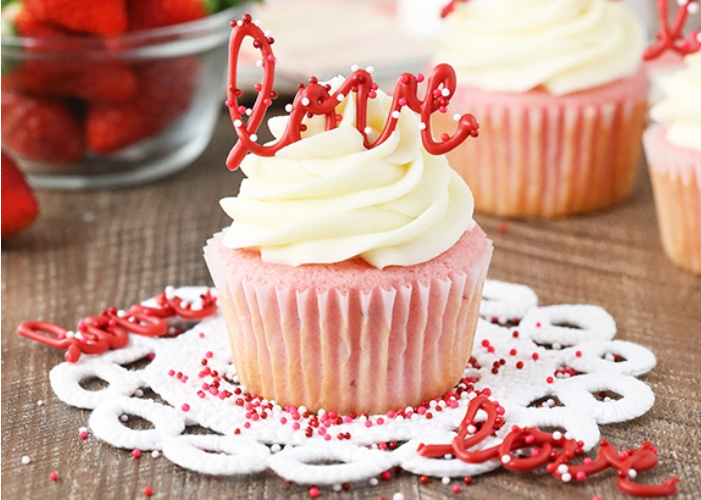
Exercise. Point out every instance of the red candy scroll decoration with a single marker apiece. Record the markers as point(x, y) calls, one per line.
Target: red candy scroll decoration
point(671, 37)
point(448, 9)
point(552, 450)
point(109, 330)
point(316, 99)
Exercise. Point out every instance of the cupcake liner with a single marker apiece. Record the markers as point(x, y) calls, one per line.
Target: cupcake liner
point(540, 155)
point(350, 350)
point(676, 183)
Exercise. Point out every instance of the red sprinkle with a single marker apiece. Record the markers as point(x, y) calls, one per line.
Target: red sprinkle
point(53, 476)
point(147, 491)
point(314, 492)
point(456, 488)
point(502, 227)
point(136, 453)
point(424, 479)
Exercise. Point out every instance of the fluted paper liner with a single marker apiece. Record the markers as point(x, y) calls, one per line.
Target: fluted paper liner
point(540, 155)
point(370, 350)
point(676, 184)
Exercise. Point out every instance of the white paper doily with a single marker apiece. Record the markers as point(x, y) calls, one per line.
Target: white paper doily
point(557, 367)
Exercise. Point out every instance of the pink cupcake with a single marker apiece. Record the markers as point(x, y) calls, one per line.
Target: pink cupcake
point(673, 149)
point(352, 274)
point(561, 98)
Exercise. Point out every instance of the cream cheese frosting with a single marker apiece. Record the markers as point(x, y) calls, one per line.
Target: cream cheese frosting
point(680, 110)
point(327, 198)
point(562, 46)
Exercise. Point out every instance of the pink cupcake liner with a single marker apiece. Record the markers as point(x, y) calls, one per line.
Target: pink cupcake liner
point(350, 337)
point(540, 155)
point(676, 184)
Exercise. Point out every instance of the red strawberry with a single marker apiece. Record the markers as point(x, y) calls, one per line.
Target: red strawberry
point(104, 82)
point(101, 17)
point(40, 129)
point(166, 89)
point(27, 24)
point(19, 207)
point(144, 14)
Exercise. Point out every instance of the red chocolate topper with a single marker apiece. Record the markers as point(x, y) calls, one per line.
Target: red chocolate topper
point(555, 450)
point(671, 37)
point(317, 99)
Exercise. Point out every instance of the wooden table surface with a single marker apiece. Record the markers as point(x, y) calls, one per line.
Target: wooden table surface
point(90, 250)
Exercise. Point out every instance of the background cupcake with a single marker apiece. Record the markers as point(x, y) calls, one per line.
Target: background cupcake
point(351, 277)
point(673, 148)
point(561, 98)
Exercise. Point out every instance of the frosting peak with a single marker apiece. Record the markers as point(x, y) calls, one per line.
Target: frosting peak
point(326, 198)
point(680, 110)
point(519, 45)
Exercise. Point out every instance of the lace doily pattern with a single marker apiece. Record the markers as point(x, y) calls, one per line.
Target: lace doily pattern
point(554, 367)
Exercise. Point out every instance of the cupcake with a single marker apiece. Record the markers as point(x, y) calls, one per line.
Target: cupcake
point(673, 148)
point(561, 97)
point(351, 277)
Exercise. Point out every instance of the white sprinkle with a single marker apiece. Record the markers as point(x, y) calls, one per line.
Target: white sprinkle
point(562, 468)
point(557, 346)
point(422, 126)
point(138, 393)
point(457, 117)
point(693, 8)
point(155, 453)
point(370, 69)
point(82, 429)
point(340, 97)
point(505, 459)
point(568, 435)
point(355, 67)
point(170, 292)
point(259, 63)
point(566, 477)
point(268, 33)
point(302, 409)
point(171, 330)
point(124, 418)
point(448, 456)
point(288, 108)
point(239, 23)
point(557, 435)
point(337, 487)
point(395, 115)
point(249, 111)
point(607, 399)
point(70, 334)
point(40, 403)
point(368, 130)
point(305, 101)
point(237, 123)
point(78, 335)
point(550, 402)
point(254, 137)
point(398, 496)
point(257, 22)
point(373, 481)
point(471, 429)
point(445, 480)
point(445, 92)
point(609, 357)
point(275, 448)
point(26, 460)
point(632, 473)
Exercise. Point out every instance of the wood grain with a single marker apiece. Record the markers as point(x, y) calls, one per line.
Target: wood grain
point(90, 250)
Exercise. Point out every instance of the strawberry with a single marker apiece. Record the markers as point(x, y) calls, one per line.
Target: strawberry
point(144, 14)
point(19, 207)
point(110, 81)
point(166, 89)
point(101, 17)
point(42, 129)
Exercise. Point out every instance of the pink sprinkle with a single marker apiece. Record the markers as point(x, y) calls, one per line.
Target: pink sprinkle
point(208, 354)
point(419, 77)
point(535, 452)
point(380, 421)
point(487, 391)
point(201, 394)
point(184, 379)
point(500, 410)
point(391, 414)
point(443, 109)
point(83, 434)
point(314, 492)
point(368, 423)
point(587, 461)
point(578, 354)
point(581, 476)
point(283, 420)
point(550, 380)
point(538, 325)
point(402, 101)
point(596, 497)
point(247, 425)
point(201, 335)
point(136, 453)
point(456, 488)
point(271, 58)
point(421, 410)
point(529, 439)
point(295, 425)
point(171, 373)
point(53, 476)
point(185, 407)
point(322, 431)
point(327, 437)
point(222, 395)
point(347, 419)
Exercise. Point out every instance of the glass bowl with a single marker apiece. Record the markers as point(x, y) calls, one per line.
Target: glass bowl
point(89, 112)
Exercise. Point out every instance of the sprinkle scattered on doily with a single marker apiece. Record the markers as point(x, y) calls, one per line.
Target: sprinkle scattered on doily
point(557, 366)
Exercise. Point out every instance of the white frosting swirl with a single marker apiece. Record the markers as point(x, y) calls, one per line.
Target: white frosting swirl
point(561, 45)
point(327, 198)
point(680, 110)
